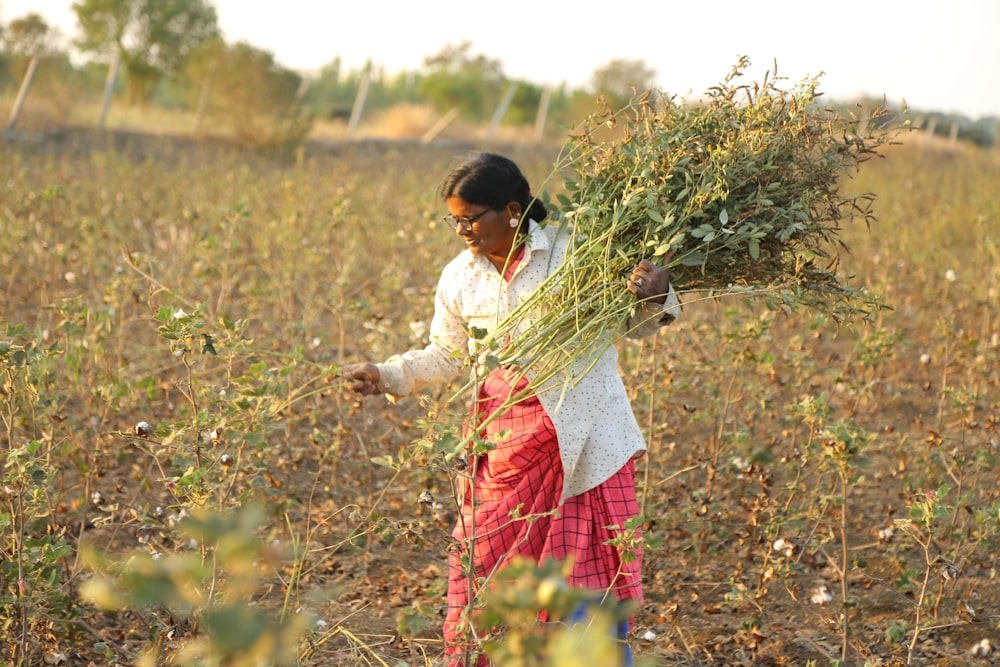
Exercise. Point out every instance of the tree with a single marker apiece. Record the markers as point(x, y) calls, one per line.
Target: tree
point(26, 38)
point(619, 78)
point(151, 37)
point(246, 89)
point(457, 79)
point(524, 106)
point(29, 36)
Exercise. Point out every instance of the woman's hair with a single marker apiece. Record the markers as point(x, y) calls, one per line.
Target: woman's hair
point(493, 180)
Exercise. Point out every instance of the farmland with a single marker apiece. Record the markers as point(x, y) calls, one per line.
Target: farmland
point(173, 314)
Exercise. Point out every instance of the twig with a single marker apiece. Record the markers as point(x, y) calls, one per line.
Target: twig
point(127, 256)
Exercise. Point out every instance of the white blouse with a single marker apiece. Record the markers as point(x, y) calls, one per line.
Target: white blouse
point(594, 422)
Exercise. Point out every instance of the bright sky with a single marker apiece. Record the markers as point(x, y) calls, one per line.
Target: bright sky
point(938, 57)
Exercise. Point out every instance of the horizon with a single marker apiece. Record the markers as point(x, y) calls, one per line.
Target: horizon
point(934, 62)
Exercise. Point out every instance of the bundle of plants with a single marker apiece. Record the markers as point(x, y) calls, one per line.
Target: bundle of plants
point(737, 195)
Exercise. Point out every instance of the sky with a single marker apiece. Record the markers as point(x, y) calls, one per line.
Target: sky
point(941, 56)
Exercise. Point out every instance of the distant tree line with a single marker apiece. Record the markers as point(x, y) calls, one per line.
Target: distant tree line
point(171, 54)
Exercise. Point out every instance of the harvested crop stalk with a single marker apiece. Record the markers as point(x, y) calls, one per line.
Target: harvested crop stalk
point(741, 193)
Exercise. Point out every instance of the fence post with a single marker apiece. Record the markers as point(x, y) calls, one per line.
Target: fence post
point(109, 89)
point(863, 116)
point(359, 106)
point(931, 126)
point(22, 93)
point(439, 127)
point(501, 109)
point(543, 112)
point(203, 96)
point(303, 90)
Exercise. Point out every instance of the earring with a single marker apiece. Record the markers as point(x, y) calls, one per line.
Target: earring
point(514, 222)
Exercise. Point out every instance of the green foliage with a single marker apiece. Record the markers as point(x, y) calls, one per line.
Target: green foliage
point(243, 87)
point(517, 596)
point(620, 80)
point(524, 106)
point(57, 85)
point(32, 556)
point(211, 586)
point(151, 37)
point(28, 36)
point(737, 197)
point(333, 92)
point(741, 192)
point(33, 552)
point(896, 631)
point(455, 79)
point(981, 131)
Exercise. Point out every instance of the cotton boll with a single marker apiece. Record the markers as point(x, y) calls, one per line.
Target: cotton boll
point(784, 547)
point(821, 595)
point(983, 649)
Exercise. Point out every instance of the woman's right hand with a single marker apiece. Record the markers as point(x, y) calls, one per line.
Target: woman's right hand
point(362, 378)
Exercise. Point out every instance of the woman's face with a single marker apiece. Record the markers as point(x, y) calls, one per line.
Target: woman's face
point(491, 235)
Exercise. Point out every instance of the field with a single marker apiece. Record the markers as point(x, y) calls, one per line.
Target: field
point(173, 314)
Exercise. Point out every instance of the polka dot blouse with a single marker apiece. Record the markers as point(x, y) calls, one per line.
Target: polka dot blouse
point(594, 422)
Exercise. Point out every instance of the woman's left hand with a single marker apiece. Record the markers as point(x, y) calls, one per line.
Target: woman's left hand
point(649, 282)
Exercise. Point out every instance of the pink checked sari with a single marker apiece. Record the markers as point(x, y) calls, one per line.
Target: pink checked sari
point(525, 470)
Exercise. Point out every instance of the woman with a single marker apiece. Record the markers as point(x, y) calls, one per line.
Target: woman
point(566, 460)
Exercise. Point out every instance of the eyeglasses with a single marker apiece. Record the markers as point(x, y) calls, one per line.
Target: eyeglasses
point(464, 221)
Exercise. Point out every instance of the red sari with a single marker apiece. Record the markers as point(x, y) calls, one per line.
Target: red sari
point(523, 477)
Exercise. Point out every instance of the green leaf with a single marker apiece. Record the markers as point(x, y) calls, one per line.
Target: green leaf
point(386, 461)
point(654, 215)
point(754, 247)
point(661, 250)
point(207, 346)
point(724, 216)
point(235, 628)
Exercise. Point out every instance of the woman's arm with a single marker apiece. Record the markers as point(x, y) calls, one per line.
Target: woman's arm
point(405, 373)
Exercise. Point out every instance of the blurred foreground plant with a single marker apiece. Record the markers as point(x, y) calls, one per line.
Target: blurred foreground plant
point(211, 586)
point(519, 593)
